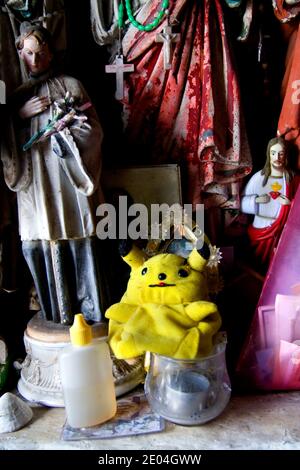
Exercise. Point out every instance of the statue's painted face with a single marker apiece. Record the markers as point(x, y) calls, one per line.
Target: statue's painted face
point(278, 157)
point(36, 56)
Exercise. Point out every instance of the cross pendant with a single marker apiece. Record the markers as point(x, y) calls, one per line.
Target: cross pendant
point(167, 37)
point(119, 68)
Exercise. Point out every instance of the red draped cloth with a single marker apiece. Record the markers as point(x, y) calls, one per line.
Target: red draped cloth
point(285, 12)
point(190, 114)
point(265, 240)
point(290, 112)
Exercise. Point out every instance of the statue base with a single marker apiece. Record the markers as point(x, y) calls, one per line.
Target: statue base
point(40, 378)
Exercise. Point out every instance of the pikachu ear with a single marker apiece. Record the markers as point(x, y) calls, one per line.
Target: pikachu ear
point(198, 258)
point(131, 254)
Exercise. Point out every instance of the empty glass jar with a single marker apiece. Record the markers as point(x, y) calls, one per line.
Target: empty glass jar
point(189, 391)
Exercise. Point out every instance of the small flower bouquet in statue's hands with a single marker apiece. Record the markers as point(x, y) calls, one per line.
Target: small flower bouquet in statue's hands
point(65, 113)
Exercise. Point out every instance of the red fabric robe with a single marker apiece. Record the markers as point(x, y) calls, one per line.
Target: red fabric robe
point(289, 120)
point(190, 114)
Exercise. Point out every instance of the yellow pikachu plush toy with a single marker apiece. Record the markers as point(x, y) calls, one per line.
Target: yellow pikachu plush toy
point(165, 308)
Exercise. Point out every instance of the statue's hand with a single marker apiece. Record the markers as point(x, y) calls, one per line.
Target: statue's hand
point(34, 106)
point(263, 199)
point(283, 200)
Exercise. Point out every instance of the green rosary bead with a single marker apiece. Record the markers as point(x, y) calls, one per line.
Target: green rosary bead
point(121, 15)
point(150, 26)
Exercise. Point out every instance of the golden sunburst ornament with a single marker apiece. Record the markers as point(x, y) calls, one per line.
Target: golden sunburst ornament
point(215, 256)
point(276, 187)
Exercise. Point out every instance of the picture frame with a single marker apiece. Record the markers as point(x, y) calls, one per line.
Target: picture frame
point(155, 184)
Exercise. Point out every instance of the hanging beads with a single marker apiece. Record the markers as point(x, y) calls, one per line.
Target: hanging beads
point(121, 15)
point(150, 26)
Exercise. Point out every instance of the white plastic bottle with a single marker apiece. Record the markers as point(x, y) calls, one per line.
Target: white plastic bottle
point(86, 376)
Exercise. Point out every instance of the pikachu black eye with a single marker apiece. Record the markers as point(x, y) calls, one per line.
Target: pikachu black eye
point(183, 273)
point(144, 271)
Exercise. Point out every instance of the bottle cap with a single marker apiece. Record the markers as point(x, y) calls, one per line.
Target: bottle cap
point(80, 331)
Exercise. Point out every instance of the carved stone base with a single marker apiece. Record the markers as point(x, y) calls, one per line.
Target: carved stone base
point(40, 378)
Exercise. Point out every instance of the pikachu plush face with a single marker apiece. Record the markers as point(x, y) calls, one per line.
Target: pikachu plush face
point(166, 279)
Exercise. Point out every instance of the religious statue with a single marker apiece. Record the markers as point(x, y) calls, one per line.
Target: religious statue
point(181, 103)
point(268, 196)
point(51, 14)
point(54, 167)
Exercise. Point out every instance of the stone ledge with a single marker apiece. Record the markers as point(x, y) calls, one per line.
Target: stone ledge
point(250, 422)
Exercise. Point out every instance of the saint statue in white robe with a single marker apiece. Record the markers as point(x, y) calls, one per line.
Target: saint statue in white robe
point(57, 185)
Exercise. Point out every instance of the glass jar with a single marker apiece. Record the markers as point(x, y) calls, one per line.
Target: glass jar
point(189, 391)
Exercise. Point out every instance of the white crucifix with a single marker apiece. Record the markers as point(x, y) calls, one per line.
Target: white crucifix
point(119, 68)
point(167, 37)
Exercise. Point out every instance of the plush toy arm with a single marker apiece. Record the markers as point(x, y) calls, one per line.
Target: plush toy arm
point(210, 325)
point(120, 312)
point(122, 343)
point(121, 339)
point(200, 309)
point(206, 313)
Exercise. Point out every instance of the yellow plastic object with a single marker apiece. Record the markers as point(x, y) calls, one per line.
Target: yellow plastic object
point(80, 331)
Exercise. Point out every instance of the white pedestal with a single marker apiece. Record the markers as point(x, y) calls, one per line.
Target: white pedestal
point(40, 378)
